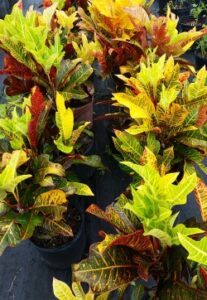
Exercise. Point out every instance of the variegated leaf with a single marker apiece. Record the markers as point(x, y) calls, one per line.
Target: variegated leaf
point(114, 216)
point(107, 271)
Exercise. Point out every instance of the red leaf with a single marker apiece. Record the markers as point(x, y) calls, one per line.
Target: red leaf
point(16, 86)
point(136, 241)
point(183, 77)
point(142, 267)
point(103, 59)
point(68, 4)
point(37, 106)
point(47, 3)
point(83, 3)
point(202, 116)
point(53, 74)
point(20, 4)
point(15, 68)
point(159, 36)
point(204, 274)
point(125, 52)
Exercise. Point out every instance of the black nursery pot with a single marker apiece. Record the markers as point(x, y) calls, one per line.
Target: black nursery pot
point(162, 5)
point(63, 257)
point(200, 60)
point(180, 12)
point(187, 23)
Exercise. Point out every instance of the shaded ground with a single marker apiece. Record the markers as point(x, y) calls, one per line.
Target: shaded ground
point(23, 275)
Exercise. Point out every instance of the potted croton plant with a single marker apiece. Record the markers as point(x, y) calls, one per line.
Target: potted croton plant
point(46, 51)
point(43, 50)
point(149, 244)
point(126, 31)
point(35, 186)
point(41, 137)
point(166, 112)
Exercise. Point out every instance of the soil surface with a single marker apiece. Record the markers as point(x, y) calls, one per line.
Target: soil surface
point(73, 219)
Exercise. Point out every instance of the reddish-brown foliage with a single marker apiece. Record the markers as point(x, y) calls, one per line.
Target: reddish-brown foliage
point(16, 86)
point(37, 106)
point(202, 116)
point(15, 68)
point(203, 273)
point(47, 3)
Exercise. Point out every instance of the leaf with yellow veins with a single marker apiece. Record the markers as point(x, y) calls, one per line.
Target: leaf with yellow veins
point(51, 203)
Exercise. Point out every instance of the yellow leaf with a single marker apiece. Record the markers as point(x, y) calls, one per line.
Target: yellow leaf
point(64, 118)
point(132, 103)
point(167, 96)
point(64, 20)
point(62, 290)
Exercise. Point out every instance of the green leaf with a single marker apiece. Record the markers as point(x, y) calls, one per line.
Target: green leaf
point(137, 292)
point(78, 188)
point(197, 249)
point(43, 167)
point(16, 128)
point(87, 50)
point(8, 177)
point(164, 238)
point(29, 222)
point(182, 229)
point(67, 149)
point(65, 121)
point(64, 72)
point(128, 146)
point(83, 72)
point(10, 232)
point(66, 21)
point(89, 160)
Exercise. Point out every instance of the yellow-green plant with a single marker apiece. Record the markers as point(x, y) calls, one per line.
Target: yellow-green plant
point(149, 242)
point(166, 112)
point(39, 52)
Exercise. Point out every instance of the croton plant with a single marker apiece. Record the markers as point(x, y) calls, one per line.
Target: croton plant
point(49, 60)
point(127, 31)
point(165, 110)
point(149, 243)
point(34, 185)
point(45, 50)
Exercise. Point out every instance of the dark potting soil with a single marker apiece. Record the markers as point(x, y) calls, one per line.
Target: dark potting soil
point(72, 218)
